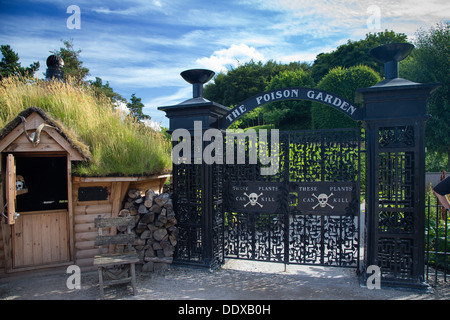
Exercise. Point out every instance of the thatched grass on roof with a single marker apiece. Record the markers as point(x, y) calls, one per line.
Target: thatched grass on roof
point(118, 145)
point(78, 145)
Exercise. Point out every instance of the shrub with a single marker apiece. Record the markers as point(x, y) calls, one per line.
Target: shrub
point(342, 82)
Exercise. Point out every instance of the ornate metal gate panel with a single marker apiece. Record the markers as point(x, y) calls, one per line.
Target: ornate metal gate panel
point(307, 213)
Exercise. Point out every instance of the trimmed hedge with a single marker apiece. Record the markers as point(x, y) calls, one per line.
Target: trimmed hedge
point(343, 82)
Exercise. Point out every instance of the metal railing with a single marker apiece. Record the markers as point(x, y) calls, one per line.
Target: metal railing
point(437, 241)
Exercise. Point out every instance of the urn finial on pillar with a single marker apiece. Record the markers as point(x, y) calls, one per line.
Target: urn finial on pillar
point(390, 54)
point(54, 67)
point(197, 77)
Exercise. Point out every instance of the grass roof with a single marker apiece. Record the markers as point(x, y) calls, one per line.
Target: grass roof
point(117, 144)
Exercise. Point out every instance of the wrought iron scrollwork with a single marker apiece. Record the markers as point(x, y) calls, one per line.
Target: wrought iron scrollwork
point(287, 234)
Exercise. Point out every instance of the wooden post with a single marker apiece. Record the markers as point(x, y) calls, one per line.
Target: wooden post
point(10, 188)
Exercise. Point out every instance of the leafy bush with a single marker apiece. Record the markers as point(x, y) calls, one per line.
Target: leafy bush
point(342, 82)
point(289, 115)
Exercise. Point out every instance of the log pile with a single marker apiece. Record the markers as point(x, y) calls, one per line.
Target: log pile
point(155, 228)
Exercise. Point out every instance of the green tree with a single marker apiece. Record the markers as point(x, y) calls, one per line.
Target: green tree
point(10, 65)
point(73, 66)
point(342, 82)
point(430, 63)
point(135, 105)
point(355, 53)
point(289, 115)
point(105, 89)
point(245, 81)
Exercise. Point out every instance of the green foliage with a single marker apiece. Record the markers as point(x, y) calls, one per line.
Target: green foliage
point(105, 89)
point(289, 115)
point(430, 63)
point(10, 65)
point(119, 145)
point(342, 82)
point(355, 53)
point(250, 119)
point(73, 67)
point(245, 81)
point(435, 161)
point(135, 105)
point(75, 72)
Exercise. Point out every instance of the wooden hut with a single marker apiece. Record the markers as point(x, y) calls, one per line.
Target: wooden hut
point(56, 210)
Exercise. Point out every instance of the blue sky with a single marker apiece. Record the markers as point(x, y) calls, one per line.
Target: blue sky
point(142, 46)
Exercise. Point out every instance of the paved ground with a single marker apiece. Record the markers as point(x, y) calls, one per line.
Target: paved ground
point(236, 280)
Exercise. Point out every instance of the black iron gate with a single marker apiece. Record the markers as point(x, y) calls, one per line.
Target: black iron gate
point(306, 213)
point(295, 218)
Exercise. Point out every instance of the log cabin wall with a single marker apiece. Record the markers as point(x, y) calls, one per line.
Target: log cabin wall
point(86, 209)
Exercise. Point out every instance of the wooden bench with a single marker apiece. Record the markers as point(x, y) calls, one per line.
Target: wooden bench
point(127, 259)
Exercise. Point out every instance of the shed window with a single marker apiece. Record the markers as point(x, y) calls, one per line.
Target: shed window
point(46, 181)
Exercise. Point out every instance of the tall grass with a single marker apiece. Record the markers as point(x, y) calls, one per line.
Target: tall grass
point(118, 144)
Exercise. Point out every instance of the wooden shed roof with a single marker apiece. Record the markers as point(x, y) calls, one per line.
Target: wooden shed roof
point(34, 117)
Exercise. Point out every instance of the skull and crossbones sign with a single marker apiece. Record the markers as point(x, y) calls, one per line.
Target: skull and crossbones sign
point(253, 199)
point(323, 200)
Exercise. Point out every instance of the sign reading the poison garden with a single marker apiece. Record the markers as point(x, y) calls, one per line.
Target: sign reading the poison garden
point(292, 93)
point(254, 196)
point(322, 197)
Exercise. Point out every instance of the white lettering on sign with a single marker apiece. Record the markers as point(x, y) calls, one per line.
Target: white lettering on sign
point(338, 188)
point(267, 188)
point(294, 94)
point(332, 100)
point(300, 188)
point(276, 95)
point(237, 112)
point(324, 196)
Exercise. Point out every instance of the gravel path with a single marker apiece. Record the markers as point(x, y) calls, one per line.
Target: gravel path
point(236, 280)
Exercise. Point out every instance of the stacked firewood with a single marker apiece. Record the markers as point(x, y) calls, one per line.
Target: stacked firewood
point(156, 231)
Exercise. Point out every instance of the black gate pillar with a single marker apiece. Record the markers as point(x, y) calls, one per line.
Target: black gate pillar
point(395, 115)
point(197, 186)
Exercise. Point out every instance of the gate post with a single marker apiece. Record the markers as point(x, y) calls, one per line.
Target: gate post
point(197, 188)
point(395, 113)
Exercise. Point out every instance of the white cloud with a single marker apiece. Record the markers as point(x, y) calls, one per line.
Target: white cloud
point(322, 18)
point(179, 96)
point(303, 56)
point(151, 105)
point(123, 109)
point(141, 77)
point(222, 59)
point(135, 8)
point(152, 124)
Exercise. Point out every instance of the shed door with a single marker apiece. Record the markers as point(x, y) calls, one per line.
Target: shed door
point(40, 235)
point(40, 238)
